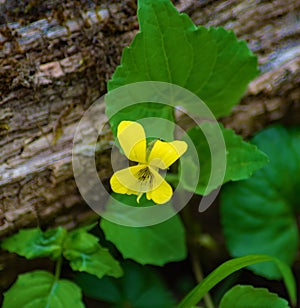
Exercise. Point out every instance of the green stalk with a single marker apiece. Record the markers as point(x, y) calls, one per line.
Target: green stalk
point(58, 267)
point(193, 231)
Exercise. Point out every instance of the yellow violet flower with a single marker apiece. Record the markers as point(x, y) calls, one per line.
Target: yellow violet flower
point(144, 177)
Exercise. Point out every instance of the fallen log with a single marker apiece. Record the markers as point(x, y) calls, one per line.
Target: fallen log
point(53, 68)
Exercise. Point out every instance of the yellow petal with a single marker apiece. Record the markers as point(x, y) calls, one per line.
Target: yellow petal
point(162, 192)
point(119, 188)
point(131, 136)
point(164, 154)
point(135, 179)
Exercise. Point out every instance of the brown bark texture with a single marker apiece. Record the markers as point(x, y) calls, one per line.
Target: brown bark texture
point(55, 60)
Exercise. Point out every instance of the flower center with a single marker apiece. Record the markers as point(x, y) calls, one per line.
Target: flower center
point(145, 178)
point(144, 175)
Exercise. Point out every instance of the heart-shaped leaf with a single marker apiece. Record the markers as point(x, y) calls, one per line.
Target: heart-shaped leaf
point(157, 244)
point(250, 297)
point(139, 287)
point(209, 62)
point(34, 243)
point(241, 158)
point(258, 214)
point(85, 254)
point(40, 289)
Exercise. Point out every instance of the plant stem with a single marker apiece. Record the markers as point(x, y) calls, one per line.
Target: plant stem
point(58, 267)
point(193, 231)
point(199, 277)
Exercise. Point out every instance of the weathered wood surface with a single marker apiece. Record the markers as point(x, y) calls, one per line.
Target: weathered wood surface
point(53, 68)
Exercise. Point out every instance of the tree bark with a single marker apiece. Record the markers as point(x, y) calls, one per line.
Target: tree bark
point(55, 63)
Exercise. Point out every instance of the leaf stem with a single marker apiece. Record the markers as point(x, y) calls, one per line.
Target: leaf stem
point(58, 267)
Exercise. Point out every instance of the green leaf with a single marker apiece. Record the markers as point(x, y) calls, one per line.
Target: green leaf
point(139, 287)
point(136, 112)
point(85, 254)
point(157, 244)
point(40, 289)
point(124, 210)
point(232, 266)
point(250, 297)
point(34, 243)
point(258, 214)
point(209, 62)
point(242, 158)
point(129, 200)
point(105, 289)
